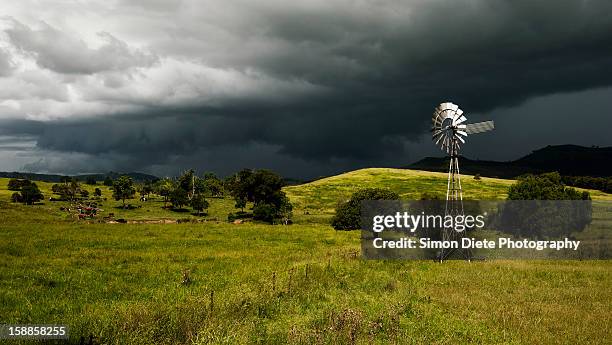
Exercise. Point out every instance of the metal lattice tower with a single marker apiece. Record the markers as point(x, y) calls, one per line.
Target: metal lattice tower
point(449, 132)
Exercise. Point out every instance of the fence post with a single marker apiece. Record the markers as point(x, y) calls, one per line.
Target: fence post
point(212, 300)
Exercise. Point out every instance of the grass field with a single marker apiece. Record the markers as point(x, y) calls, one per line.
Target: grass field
point(221, 283)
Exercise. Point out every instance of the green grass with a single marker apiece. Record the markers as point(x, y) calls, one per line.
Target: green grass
point(123, 282)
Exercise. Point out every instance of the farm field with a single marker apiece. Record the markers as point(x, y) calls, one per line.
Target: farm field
point(213, 282)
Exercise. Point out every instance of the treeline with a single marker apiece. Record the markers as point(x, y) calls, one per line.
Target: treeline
point(603, 184)
point(257, 193)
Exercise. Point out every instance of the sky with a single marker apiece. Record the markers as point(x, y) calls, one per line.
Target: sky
point(305, 88)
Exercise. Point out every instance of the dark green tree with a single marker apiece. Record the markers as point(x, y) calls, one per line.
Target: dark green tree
point(199, 203)
point(91, 180)
point(30, 194)
point(108, 181)
point(178, 197)
point(164, 188)
point(348, 213)
point(123, 188)
point(98, 192)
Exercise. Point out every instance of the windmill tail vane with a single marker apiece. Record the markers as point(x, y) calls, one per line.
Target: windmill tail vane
point(449, 131)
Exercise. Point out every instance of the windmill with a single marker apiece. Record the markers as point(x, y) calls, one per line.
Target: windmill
point(449, 131)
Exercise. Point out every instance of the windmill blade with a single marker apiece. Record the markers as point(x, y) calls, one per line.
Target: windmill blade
point(479, 127)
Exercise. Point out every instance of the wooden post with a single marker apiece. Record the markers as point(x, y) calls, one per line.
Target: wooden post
point(212, 300)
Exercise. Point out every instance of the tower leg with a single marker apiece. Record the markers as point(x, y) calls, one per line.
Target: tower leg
point(454, 207)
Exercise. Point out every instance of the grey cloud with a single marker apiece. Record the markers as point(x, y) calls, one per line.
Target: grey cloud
point(6, 65)
point(65, 53)
point(383, 65)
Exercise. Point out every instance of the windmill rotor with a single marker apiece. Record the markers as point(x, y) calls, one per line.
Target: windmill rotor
point(449, 129)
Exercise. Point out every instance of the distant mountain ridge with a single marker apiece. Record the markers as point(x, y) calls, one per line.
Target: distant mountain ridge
point(136, 176)
point(569, 160)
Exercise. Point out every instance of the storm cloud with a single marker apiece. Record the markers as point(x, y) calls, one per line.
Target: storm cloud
point(309, 88)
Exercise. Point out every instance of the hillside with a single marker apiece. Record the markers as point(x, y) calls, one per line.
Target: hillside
point(566, 159)
point(214, 282)
point(316, 201)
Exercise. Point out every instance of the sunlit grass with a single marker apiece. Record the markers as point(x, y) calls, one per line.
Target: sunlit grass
point(305, 283)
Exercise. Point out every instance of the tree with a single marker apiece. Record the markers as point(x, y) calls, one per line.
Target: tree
point(186, 182)
point(199, 203)
point(91, 180)
point(67, 190)
point(108, 181)
point(163, 188)
point(348, 214)
point(213, 185)
point(31, 194)
point(145, 189)
point(263, 189)
point(123, 188)
point(178, 197)
point(98, 192)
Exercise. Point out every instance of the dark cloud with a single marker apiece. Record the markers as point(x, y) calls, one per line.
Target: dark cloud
point(330, 85)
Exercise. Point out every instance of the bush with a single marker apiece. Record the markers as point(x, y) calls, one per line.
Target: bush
point(265, 212)
point(545, 220)
point(547, 186)
point(477, 177)
point(239, 215)
point(348, 214)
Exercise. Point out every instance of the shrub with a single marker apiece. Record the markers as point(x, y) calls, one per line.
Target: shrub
point(348, 214)
point(477, 177)
point(108, 181)
point(545, 220)
point(264, 212)
point(547, 186)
